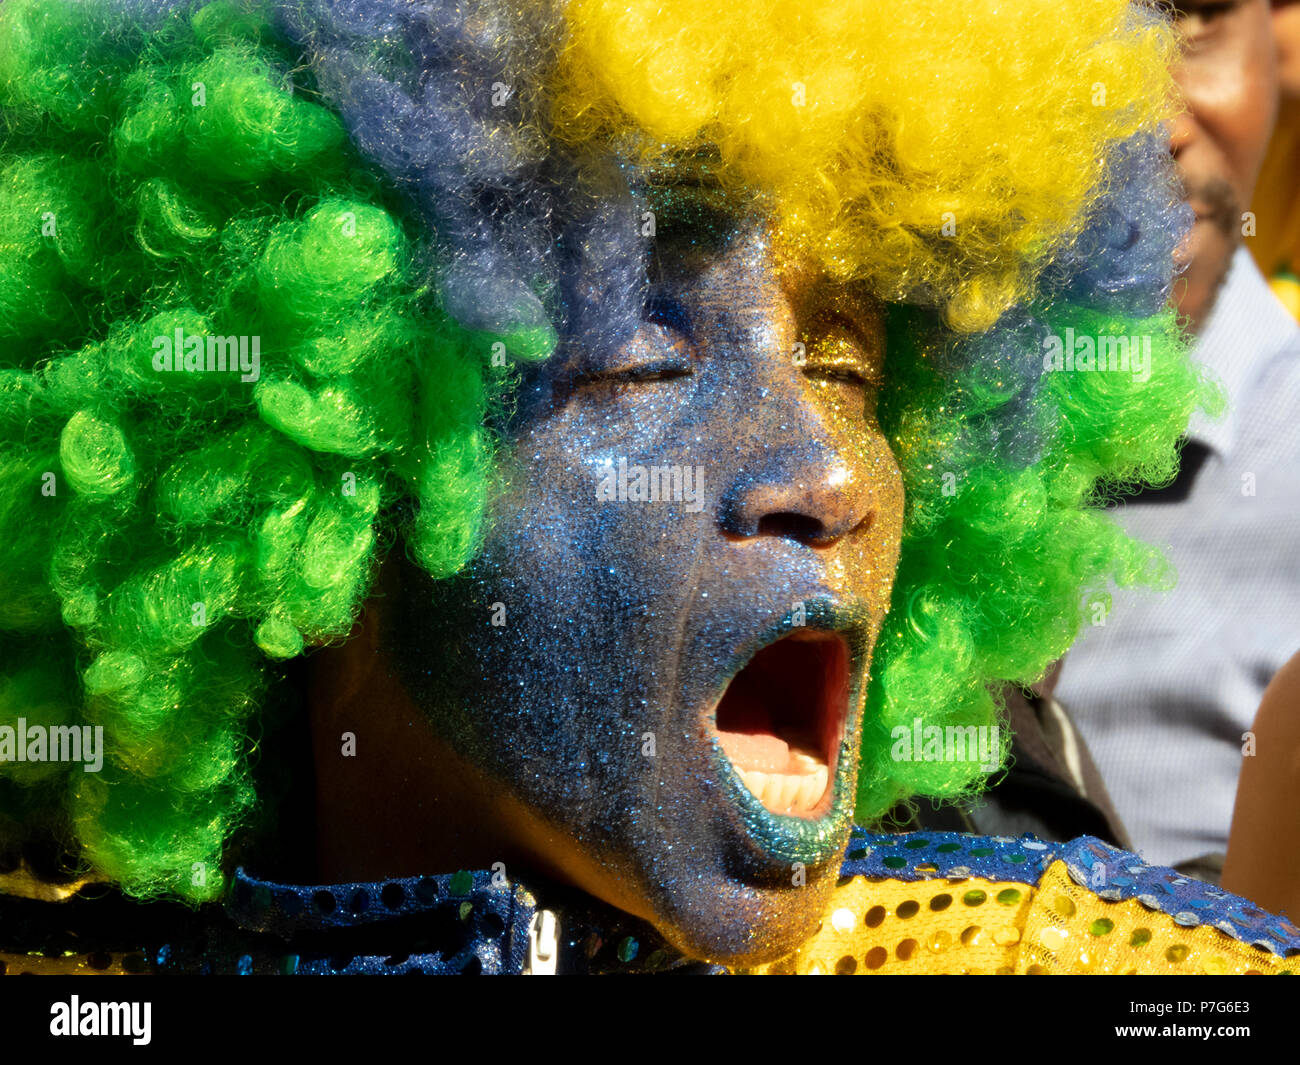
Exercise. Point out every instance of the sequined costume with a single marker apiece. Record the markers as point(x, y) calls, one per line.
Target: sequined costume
point(942, 902)
point(914, 903)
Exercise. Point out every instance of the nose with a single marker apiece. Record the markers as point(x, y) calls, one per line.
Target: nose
point(802, 491)
point(1181, 131)
point(800, 473)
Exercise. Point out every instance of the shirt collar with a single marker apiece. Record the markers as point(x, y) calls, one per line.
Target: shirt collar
point(1246, 328)
point(472, 921)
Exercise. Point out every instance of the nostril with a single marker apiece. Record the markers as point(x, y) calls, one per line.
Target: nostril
point(793, 526)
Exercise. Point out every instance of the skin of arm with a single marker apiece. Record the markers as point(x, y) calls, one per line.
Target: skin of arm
point(1263, 861)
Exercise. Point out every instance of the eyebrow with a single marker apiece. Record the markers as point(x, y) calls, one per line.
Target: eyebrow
point(829, 298)
point(695, 218)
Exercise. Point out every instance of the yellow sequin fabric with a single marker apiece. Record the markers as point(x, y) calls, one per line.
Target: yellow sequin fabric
point(973, 926)
point(72, 964)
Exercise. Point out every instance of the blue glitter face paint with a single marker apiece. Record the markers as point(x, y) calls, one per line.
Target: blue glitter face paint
point(622, 616)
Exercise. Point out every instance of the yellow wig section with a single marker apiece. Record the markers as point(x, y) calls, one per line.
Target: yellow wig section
point(941, 168)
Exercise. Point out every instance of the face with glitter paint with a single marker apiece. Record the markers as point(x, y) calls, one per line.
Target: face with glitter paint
point(653, 670)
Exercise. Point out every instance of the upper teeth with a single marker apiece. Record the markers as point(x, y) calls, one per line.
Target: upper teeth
point(786, 793)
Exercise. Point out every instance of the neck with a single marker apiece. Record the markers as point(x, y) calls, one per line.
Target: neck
point(392, 798)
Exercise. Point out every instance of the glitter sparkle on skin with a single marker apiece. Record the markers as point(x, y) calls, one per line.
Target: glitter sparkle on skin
point(661, 607)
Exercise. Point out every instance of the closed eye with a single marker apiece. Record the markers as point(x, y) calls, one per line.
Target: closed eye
point(656, 353)
point(849, 374)
point(1199, 23)
point(665, 371)
point(1189, 9)
point(842, 353)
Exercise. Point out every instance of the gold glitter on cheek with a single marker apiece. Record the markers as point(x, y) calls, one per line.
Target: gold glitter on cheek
point(844, 378)
point(866, 560)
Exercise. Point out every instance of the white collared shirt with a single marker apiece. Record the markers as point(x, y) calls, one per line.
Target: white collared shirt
point(1164, 690)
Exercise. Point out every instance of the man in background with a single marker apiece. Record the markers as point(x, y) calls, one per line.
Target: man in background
point(1164, 687)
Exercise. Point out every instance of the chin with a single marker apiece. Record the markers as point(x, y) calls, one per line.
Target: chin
point(748, 926)
point(1208, 253)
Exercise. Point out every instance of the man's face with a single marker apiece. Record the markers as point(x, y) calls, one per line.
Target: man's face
point(657, 665)
point(1286, 29)
point(1228, 77)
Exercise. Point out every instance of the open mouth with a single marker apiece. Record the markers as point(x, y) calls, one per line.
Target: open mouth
point(781, 721)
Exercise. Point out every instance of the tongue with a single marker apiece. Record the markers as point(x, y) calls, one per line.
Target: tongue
point(756, 750)
point(750, 740)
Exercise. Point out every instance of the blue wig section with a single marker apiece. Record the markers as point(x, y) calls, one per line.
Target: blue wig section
point(1119, 264)
point(444, 98)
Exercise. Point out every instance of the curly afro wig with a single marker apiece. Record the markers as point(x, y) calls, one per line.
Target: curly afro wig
point(256, 259)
